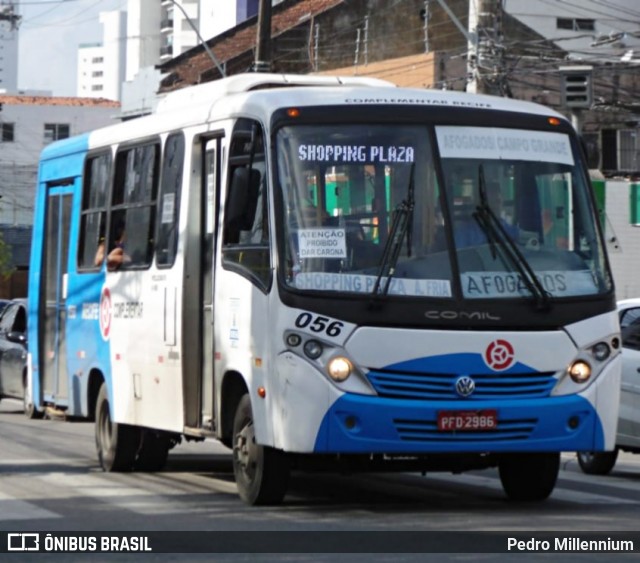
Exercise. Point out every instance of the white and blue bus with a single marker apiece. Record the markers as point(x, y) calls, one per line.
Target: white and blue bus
point(324, 269)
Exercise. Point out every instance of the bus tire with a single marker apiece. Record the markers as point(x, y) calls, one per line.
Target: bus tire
point(116, 443)
point(529, 477)
point(597, 463)
point(261, 472)
point(153, 452)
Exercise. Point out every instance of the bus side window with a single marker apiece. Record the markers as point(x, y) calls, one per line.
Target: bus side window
point(133, 205)
point(169, 200)
point(93, 222)
point(245, 236)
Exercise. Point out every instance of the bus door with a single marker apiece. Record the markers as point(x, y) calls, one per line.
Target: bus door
point(211, 189)
point(198, 284)
point(55, 382)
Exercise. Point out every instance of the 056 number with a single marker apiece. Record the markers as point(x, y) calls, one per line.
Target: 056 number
point(319, 324)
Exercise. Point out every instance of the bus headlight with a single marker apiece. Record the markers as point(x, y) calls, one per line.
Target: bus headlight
point(580, 371)
point(601, 351)
point(339, 368)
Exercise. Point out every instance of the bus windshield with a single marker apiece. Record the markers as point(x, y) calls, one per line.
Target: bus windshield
point(364, 212)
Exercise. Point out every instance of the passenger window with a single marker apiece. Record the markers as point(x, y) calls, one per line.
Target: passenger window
point(133, 207)
point(93, 221)
point(245, 245)
point(169, 200)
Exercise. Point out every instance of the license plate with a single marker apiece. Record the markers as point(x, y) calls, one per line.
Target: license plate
point(471, 421)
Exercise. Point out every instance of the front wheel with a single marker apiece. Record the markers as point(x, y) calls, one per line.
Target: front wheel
point(261, 472)
point(117, 444)
point(597, 463)
point(529, 477)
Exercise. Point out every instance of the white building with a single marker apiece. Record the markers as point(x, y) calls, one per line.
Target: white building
point(158, 30)
point(177, 27)
point(102, 66)
point(27, 124)
point(217, 17)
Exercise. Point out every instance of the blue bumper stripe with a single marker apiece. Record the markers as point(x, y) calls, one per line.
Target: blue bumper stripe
point(367, 424)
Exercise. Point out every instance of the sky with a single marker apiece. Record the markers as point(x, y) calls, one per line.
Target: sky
point(49, 36)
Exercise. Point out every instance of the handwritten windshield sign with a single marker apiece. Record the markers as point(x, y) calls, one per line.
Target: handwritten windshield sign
point(510, 144)
point(359, 283)
point(511, 284)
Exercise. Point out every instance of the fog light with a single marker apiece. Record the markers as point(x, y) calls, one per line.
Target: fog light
point(601, 351)
point(339, 368)
point(580, 371)
point(313, 349)
point(293, 340)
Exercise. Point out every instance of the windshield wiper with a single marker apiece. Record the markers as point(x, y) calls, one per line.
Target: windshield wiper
point(497, 234)
point(400, 226)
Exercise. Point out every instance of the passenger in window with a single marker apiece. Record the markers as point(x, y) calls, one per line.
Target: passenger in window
point(97, 261)
point(117, 256)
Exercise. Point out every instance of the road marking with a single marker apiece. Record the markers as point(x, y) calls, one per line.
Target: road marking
point(14, 509)
point(107, 488)
point(559, 493)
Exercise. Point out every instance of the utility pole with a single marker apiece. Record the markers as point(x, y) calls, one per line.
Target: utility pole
point(262, 62)
point(485, 58)
point(7, 14)
point(472, 40)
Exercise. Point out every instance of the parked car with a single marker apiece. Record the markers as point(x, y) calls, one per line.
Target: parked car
point(13, 352)
point(628, 436)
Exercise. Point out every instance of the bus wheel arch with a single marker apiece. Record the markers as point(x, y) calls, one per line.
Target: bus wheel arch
point(234, 387)
point(261, 472)
point(116, 444)
point(96, 379)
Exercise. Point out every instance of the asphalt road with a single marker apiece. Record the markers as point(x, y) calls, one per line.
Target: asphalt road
point(50, 482)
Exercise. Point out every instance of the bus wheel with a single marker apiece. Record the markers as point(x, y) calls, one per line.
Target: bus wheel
point(597, 463)
point(153, 451)
point(529, 477)
point(261, 472)
point(117, 444)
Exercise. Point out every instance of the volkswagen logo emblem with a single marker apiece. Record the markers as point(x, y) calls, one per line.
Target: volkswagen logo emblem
point(465, 386)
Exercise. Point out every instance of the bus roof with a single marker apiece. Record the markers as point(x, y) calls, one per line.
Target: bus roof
point(258, 95)
point(218, 89)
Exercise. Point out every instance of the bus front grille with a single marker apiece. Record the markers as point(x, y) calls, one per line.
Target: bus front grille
point(442, 386)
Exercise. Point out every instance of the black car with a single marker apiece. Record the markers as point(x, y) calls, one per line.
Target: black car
point(13, 351)
point(4, 303)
